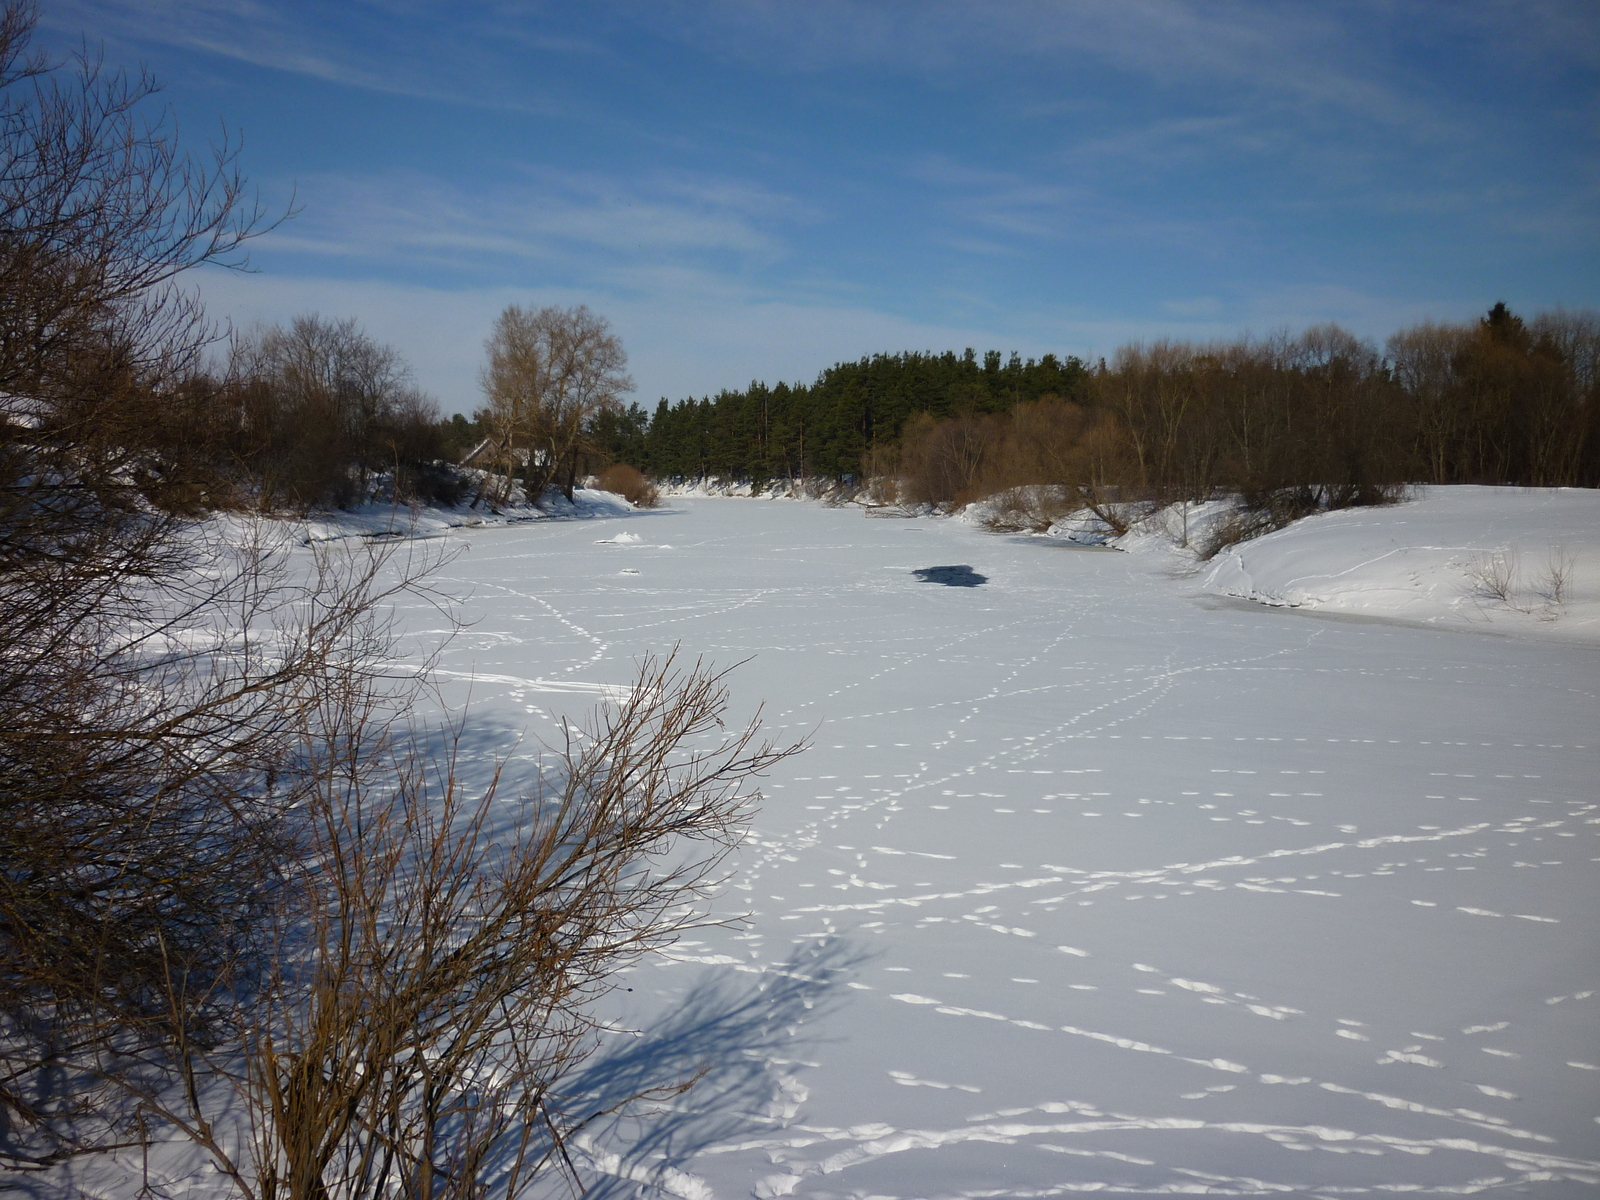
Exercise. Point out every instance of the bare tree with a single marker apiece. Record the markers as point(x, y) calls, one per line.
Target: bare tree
point(126, 760)
point(550, 371)
point(431, 987)
point(944, 462)
point(100, 211)
point(153, 718)
point(216, 865)
point(1566, 441)
point(326, 406)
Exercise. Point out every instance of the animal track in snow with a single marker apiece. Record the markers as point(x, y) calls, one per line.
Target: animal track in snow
point(1093, 691)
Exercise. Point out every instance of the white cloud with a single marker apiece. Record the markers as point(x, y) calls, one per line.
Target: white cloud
point(534, 215)
point(1174, 163)
point(462, 58)
point(1308, 55)
point(1313, 57)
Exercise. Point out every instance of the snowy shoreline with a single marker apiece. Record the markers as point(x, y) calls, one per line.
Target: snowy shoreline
point(1435, 559)
point(1432, 560)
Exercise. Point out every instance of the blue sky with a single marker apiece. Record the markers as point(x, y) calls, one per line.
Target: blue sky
point(758, 188)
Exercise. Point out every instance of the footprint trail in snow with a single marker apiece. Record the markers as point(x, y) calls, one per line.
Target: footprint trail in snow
point(1083, 886)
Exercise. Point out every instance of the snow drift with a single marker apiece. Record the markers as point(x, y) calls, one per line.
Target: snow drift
point(1460, 557)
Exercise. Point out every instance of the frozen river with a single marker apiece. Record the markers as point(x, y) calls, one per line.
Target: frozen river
point(1085, 883)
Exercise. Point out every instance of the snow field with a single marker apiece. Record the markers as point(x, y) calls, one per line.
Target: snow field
point(1483, 558)
point(1082, 885)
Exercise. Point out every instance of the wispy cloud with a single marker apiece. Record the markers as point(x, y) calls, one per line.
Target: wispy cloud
point(534, 214)
point(465, 57)
point(1327, 57)
point(999, 202)
point(1347, 94)
point(243, 30)
point(759, 187)
point(994, 212)
point(1316, 56)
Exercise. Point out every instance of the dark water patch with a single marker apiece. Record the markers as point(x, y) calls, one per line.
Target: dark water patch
point(958, 576)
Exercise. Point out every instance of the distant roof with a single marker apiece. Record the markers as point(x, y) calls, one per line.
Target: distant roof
point(489, 450)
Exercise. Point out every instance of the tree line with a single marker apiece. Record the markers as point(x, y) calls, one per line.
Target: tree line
point(854, 413)
point(1497, 400)
point(319, 414)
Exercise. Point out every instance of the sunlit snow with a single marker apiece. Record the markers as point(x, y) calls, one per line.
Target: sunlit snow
point(1090, 880)
point(1097, 876)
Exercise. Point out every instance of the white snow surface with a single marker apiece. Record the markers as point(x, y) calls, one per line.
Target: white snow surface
point(381, 520)
point(1424, 560)
point(384, 520)
point(1089, 882)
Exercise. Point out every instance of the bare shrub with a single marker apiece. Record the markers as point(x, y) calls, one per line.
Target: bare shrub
point(628, 482)
point(135, 814)
point(156, 694)
point(882, 491)
point(1262, 512)
point(433, 989)
point(1027, 509)
point(1557, 576)
point(1493, 574)
point(1237, 525)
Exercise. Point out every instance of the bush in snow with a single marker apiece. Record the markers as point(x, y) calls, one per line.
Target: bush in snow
point(628, 482)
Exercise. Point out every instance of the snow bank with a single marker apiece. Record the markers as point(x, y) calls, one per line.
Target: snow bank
point(775, 489)
point(1507, 559)
point(384, 520)
point(708, 487)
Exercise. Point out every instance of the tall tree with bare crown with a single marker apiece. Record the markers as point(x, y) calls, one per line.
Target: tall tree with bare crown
point(550, 371)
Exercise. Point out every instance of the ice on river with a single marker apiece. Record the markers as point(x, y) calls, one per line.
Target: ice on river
point(1085, 883)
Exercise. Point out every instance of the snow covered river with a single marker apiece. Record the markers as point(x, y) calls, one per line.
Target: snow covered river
point(1085, 884)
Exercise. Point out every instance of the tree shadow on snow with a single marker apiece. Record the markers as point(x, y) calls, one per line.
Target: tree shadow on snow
point(742, 1042)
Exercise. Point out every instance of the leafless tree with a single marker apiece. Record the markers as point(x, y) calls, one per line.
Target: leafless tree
point(155, 716)
point(1566, 433)
point(944, 462)
point(431, 986)
point(217, 866)
point(99, 213)
point(550, 371)
point(126, 754)
point(324, 406)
